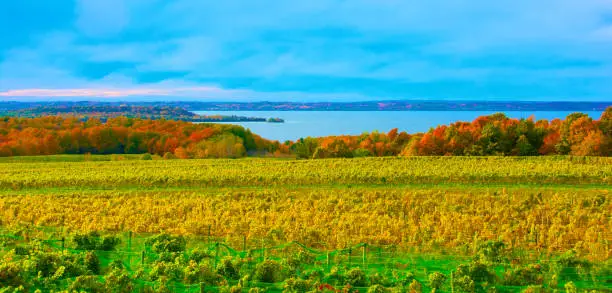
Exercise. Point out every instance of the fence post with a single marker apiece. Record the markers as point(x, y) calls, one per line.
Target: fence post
point(263, 251)
point(142, 258)
point(363, 256)
point(201, 287)
point(328, 259)
point(63, 242)
point(216, 254)
point(349, 256)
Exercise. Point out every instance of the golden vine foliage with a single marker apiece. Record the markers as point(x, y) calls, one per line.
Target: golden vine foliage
point(274, 172)
point(555, 220)
point(551, 204)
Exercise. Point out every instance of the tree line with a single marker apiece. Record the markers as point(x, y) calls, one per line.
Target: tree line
point(578, 134)
point(121, 135)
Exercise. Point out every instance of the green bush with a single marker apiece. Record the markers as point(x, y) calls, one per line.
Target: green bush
point(11, 276)
point(359, 153)
point(464, 284)
point(92, 263)
point(198, 255)
point(89, 284)
point(93, 241)
point(146, 157)
point(269, 271)
point(523, 276)
point(335, 277)
point(356, 278)
point(491, 252)
point(293, 285)
point(476, 272)
point(170, 156)
point(195, 273)
point(166, 243)
point(379, 279)
point(436, 280)
point(377, 289)
point(118, 281)
point(228, 269)
point(167, 271)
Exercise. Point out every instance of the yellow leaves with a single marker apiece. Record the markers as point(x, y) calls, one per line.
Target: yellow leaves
point(310, 216)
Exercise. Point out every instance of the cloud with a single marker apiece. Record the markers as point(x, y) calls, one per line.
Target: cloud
point(322, 49)
point(112, 92)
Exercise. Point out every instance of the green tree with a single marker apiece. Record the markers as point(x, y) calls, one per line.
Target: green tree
point(305, 147)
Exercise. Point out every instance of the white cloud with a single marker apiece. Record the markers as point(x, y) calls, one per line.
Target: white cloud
point(272, 40)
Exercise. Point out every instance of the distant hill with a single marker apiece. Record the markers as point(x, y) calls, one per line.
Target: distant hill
point(407, 105)
point(105, 111)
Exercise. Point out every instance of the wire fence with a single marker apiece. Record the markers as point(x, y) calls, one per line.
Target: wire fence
point(135, 255)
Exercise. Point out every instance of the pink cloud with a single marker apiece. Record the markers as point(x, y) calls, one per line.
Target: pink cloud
point(112, 92)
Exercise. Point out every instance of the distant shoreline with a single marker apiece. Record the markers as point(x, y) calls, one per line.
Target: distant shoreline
point(398, 105)
point(104, 112)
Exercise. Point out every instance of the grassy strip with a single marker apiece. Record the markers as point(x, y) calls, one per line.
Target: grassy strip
point(493, 187)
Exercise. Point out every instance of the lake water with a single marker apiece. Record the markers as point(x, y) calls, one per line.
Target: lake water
point(323, 123)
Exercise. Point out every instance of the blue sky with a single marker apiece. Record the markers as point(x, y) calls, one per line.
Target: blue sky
point(306, 50)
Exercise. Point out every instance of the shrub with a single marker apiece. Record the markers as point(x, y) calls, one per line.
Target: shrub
point(415, 287)
point(523, 276)
point(464, 284)
point(476, 272)
point(198, 255)
point(359, 153)
point(356, 278)
point(403, 279)
point(491, 252)
point(378, 279)
point(166, 271)
point(93, 241)
point(335, 277)
point(314, 274)
point(377, 289)
point(294, 285)
point(232, 289)
point(11, 276)
point(20, 250)
point(86, 241)
point(269, 271)
point(92, 263)
point(436, 280)
point(295, 261)
point(146, 157)
point(109, 243)
point(570, 287)
point(228, 269)
point(167, 243)
point(197, 273)
point(170, 156)
point(89, 284)
point(118, 281)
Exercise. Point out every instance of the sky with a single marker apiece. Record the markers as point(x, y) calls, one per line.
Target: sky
point(315, 50)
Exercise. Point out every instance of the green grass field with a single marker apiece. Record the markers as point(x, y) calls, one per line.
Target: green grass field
point(487, 224)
